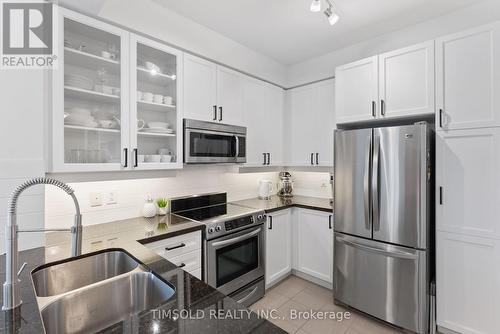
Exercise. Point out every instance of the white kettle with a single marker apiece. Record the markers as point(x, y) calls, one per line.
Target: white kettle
point(265, 189)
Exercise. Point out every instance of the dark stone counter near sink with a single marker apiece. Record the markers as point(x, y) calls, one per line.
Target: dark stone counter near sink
point(210, 311)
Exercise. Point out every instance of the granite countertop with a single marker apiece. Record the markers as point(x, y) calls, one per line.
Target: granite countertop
point(220, 314)
point(276, 203)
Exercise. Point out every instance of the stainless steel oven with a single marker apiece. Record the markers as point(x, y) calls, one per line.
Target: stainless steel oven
point(207, 142)
point(235, 260)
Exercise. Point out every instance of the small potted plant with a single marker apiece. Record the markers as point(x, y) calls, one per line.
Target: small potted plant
point(162, 203)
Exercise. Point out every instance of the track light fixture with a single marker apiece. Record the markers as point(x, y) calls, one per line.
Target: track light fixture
point(331, 15)
point(316, 6)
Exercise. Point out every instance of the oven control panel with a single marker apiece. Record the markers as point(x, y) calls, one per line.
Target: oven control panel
point(225, 227)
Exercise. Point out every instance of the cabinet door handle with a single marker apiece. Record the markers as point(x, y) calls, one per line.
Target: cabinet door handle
point(125, 156)
point(317, 158)
point(270, 222)
point(440, 195)
point(312, 158)
point(382, 107)
point(268, 158)
point(181, 265)
point(374, 107)
point(136, 162)
point(441, 118)
point(220, 114)
point(175, 247)
point(265, 157)
point(330, 222)
point(215, 113)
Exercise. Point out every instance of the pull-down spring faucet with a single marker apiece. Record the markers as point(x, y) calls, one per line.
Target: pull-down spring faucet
point(11, 290)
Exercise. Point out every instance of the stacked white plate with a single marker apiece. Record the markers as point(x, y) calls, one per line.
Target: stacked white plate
point(78, 81)
point(80, 117)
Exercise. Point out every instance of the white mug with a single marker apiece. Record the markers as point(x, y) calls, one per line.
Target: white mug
point(140, 121)
point(167, 100)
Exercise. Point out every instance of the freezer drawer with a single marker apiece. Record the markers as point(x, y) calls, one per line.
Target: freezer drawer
point(385, 281)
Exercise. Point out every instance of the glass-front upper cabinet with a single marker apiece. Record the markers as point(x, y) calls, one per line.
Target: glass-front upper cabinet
point(155, 98)
point(90, 127)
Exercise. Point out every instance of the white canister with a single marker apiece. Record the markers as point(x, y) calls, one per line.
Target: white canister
point(149, 209)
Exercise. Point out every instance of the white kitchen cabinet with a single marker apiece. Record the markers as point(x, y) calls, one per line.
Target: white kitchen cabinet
point(80, 104)
point(183, 250)
point(406, 81)
point(212, 92)
point(467, 182)
point(315, 243)
point(99, 123)
point(278, 245)
point(468, 283)
point(395, 84)
point(357, 90)
point(311, 111)
point(148, 141)
point(263, 111)
point(200, 89)
point(468, 79)
point(230, 96)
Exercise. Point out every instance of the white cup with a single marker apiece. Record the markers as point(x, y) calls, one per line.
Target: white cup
point(106, 54)
point(157, 98)
point(147, 96)
point(167, 100)
point(166, 158)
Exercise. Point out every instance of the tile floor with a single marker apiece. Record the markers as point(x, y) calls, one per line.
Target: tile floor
point(296, 293)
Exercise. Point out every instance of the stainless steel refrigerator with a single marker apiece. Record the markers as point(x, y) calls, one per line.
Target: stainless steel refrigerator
point(382, 210)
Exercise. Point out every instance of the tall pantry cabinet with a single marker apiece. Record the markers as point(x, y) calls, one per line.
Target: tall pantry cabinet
point(468, 180)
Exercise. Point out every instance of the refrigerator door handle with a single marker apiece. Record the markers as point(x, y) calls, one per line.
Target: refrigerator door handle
point(389, 253)
point(366, 183)
point(375, 184)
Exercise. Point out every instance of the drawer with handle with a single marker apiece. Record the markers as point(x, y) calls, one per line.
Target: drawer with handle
point(176, 246)
point(188, 261)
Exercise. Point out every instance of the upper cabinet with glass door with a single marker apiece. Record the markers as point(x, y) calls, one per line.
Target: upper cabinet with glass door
point(155, 97)
point(90, 96)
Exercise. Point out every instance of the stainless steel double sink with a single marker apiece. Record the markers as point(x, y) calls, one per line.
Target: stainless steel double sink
point(90, 293)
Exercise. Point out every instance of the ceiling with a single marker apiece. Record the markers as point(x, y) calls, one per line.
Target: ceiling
point(288, 32)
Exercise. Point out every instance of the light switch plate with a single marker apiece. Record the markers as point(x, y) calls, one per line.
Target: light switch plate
point(95, 199)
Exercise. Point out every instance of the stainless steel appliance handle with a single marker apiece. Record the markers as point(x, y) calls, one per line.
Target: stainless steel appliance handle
point(375, 184)
point(237, 143)
point(366, 183)
point(244, 299)
point(397, 254)
point(237, 239)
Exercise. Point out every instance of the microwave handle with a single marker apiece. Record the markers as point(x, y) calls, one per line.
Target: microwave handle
point(237, 143)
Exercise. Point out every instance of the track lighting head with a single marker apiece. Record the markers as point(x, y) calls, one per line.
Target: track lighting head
point(316, 6)
point(331, 15)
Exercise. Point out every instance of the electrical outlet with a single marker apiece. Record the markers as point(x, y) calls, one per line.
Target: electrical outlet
point(95, 199)
point(111, 198)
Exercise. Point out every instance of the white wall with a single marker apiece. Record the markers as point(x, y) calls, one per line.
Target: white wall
point(324, 66)
point(312, 184)
point(23, 96)
point(150, 18)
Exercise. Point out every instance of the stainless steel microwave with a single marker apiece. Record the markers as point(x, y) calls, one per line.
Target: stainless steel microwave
point(207, 142)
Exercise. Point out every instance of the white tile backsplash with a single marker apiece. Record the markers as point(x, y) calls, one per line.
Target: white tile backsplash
point(131, 193)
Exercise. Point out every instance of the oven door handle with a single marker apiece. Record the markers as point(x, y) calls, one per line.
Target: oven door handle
point(244, 299)
point(237, 239)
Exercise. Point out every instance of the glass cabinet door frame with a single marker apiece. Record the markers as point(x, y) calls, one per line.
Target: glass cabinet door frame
point(135, 40)
point(56, 131)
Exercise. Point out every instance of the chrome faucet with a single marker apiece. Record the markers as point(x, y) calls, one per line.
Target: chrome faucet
point(11, 290)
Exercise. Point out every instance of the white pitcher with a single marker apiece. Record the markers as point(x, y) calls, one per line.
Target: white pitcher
point(265, 189)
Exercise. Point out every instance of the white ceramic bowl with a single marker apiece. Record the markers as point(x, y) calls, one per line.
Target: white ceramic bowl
point(158, 125)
